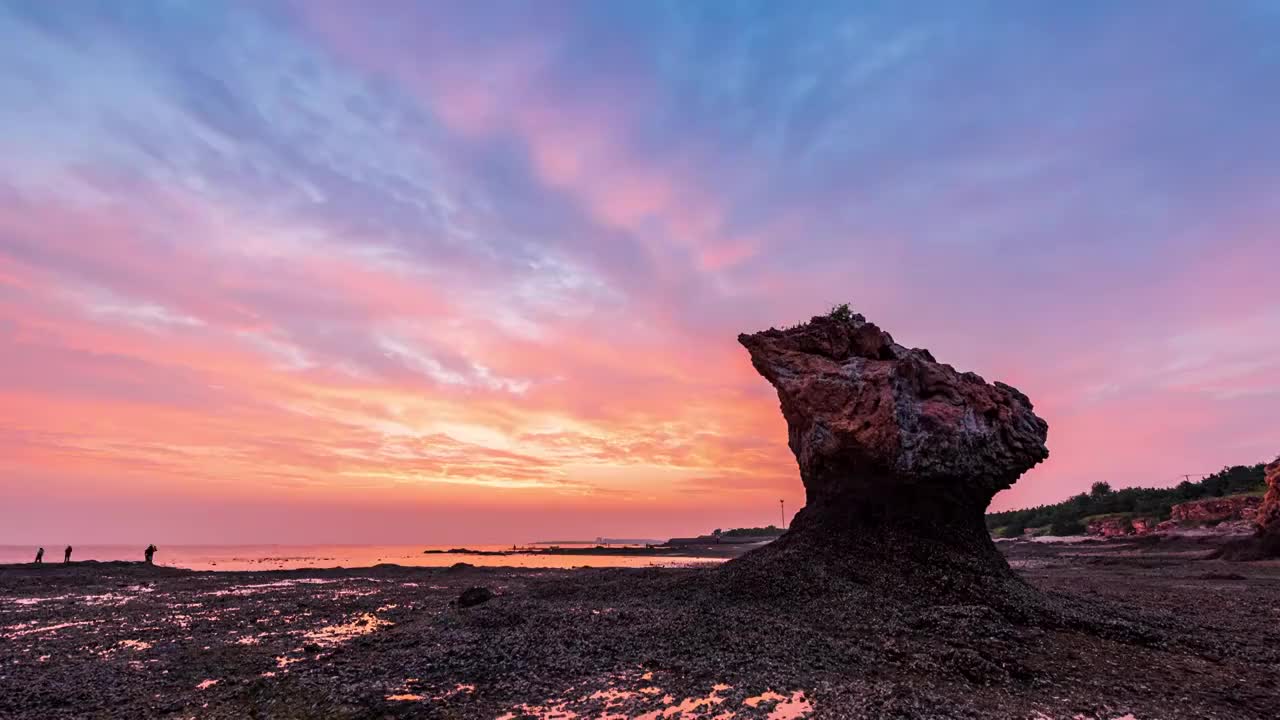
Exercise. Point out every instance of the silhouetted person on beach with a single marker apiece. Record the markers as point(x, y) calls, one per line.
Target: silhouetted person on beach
point(66, 555)
point(39, 556)
point(150, 553)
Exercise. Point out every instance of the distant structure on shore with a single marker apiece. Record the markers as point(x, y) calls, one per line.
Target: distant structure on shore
point(736, 536)
point(601, 541)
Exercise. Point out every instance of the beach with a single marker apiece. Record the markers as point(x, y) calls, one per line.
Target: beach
point(1188, 637)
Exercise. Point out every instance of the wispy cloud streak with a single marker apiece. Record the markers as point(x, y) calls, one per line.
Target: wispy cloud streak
point(492, 256)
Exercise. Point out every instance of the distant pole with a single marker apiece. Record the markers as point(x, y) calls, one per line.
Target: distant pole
point(782, 514)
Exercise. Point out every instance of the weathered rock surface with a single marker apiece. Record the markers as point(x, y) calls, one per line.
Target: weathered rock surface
point(1111, 526)
point(899, 454)
point(1217, 509)
point(1228, 516)
point(1265, 543)
point(1143, 525)
point(1268, 514)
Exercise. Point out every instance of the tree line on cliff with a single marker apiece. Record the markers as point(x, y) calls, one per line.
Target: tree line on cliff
point(1069, 517)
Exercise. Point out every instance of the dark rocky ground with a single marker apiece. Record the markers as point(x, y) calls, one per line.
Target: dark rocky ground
point(1144, 629)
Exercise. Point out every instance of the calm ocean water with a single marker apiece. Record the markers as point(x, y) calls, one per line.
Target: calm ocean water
point(288, 557)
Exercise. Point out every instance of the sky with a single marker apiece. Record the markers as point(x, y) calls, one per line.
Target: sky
point(474, 272)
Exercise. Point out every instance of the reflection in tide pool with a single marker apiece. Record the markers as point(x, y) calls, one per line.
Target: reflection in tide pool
point(44, 629)
point(786, 708)
point(650, 703)
point(331, 635)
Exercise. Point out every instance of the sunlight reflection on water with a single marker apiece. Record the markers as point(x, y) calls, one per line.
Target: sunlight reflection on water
point(650, 703)
point(331, 635)
point(46, 628)
point(291, 557)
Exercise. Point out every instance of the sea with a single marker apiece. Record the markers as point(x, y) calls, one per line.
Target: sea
point(293, 557)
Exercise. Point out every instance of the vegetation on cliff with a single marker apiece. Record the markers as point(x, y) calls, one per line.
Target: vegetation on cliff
point(749, 532)
point(1070, 516)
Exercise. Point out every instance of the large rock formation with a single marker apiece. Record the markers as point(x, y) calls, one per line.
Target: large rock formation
point(1112, 526)
point(899, 454)
point(1268, 515)
point(1265, 543)
point(1216, 510)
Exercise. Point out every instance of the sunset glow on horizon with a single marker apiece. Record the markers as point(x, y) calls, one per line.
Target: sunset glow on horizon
point(422, 272)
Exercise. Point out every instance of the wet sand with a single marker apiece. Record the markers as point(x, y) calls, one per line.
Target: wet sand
point(1194, 638)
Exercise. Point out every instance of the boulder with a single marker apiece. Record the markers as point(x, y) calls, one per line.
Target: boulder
point(474, 596)
point(899, 454)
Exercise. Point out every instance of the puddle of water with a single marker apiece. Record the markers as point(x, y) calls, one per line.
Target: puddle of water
point(611, 696)
point(46, 628)
point(766, 696)
point(621, 703)
point(284, 661)
point(331, 635)
point(37, 601)
point(462, 689)
point(405, 697)
point(686, 708)
point(135, 644)
point(1041, 716)
point(206, 684)
point(541, 712)
point(255, 588)
point(112, 599)
point(796, 706)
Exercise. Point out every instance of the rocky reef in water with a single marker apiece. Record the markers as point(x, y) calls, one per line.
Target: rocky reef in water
point(899, 454)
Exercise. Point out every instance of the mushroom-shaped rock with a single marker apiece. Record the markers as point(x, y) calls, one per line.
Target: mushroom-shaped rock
point(899, 454)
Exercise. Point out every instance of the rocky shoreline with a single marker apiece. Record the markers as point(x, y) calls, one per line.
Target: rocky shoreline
point(1148, 628)
point(886, 598)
